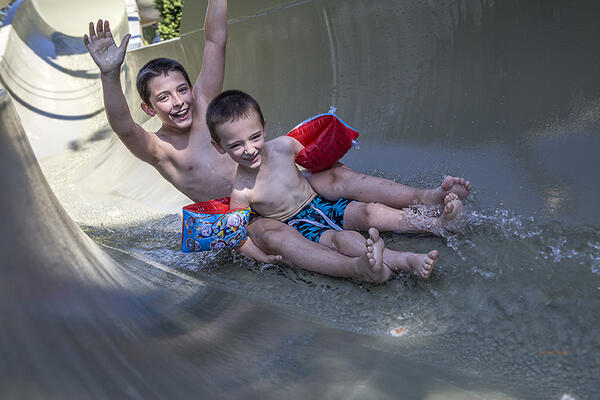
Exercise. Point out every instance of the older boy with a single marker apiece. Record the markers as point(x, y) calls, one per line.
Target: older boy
point(268, 181)
point(181, 152)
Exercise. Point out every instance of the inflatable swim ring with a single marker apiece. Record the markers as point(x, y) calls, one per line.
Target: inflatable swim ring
point(211, 225)
point(326, 139)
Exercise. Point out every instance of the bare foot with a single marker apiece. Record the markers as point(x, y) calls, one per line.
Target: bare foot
point(422, 264)
point(451, 209)
point(424, 221)
point(419, 264)
point(459, 186)
point(451, 184)
point(370, 267)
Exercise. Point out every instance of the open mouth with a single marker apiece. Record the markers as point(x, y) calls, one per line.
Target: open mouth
point(180, 116)
point(250, 157)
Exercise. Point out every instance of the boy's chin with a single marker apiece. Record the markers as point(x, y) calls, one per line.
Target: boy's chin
point(180, 125)
point(251, 165)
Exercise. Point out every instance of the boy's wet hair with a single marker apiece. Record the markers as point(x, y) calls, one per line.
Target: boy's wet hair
point(230, 106)
point(154, 68)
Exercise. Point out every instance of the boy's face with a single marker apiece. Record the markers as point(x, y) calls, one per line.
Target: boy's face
point(243, 140)
point(171, 99)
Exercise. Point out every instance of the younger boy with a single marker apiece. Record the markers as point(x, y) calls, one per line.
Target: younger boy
point(268, 180)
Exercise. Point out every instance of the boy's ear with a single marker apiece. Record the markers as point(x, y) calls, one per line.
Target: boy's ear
point(148, 110)
point(218, 147)
point(265, 129)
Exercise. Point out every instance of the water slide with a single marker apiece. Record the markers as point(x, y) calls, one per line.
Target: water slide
point(96, 301)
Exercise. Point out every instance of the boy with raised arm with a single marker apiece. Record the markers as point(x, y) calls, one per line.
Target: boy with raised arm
point(180, 150)
point(268, 180)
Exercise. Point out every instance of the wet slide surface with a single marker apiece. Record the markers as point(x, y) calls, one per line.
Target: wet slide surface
point(96, 301)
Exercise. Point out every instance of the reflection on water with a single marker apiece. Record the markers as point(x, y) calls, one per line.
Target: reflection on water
point(555, 199)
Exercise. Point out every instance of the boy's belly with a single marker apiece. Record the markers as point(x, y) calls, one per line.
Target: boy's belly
point(281, 211)
point(206, 183)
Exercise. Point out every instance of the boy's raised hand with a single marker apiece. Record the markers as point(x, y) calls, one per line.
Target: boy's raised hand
point(103, 49)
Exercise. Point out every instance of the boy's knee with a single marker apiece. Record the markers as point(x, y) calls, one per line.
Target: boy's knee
point(331, 239)
point(371, 210)
point(330, 182)
point(339, 175)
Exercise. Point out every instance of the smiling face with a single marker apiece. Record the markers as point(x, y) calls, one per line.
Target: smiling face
point(243, 140)
point(171, 99)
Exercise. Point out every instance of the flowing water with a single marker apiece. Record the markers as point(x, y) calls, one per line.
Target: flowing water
point(512, 296)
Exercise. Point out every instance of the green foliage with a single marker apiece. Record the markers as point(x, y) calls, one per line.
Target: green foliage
point(4, 10)
point(170, 13)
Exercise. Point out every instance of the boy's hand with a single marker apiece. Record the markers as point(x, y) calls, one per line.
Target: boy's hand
point(103, 49)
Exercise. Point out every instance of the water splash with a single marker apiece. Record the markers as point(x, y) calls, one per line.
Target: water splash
point(550, 241)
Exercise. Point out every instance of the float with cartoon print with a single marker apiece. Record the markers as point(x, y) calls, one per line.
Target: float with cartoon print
point(211, 225)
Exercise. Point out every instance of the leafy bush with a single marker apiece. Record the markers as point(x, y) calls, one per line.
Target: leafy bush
point(170, 13)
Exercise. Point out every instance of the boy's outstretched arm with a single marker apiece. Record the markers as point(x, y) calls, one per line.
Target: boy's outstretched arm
point(210, 81)
point(109, 58)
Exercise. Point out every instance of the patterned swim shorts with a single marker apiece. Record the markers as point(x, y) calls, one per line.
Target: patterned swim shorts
point(318, 216)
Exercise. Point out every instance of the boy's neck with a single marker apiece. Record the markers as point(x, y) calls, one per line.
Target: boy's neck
point(169, 131)
point(248, 171)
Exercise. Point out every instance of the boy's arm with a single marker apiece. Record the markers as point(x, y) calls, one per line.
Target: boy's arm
point(248, 248)
point(238, 200)
point(109, 58)
point(210, 81)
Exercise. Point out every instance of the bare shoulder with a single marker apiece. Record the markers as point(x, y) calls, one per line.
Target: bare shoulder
point(285, 144)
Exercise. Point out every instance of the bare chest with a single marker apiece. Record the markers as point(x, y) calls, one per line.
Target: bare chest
point(279, 187)
point(199, 172)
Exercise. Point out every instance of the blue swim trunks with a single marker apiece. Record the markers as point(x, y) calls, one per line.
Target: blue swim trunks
point(318, 216)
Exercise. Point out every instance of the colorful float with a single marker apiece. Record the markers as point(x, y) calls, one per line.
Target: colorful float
point(211, 225)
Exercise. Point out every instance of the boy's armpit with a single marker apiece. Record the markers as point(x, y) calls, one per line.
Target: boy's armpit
point(143, 144)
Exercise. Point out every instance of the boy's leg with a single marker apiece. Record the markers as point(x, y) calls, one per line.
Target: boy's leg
point(340, 181)
point(275, 237)
point(351, 243)
point(361, 216)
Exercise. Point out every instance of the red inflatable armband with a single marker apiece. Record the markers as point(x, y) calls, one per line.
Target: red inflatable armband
point(326, 139)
